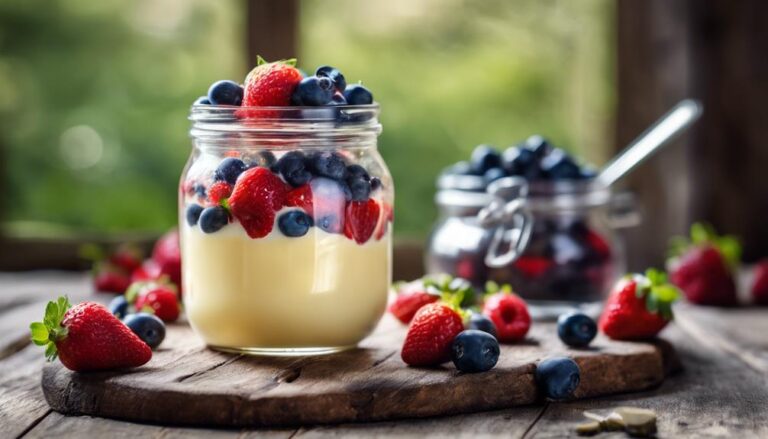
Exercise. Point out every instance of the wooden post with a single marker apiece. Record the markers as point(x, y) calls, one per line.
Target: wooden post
point(271, 29)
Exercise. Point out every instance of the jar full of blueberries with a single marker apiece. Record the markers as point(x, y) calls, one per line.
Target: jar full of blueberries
point(534, 218)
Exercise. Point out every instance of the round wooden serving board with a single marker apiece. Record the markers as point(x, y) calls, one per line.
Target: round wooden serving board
point(187, 384)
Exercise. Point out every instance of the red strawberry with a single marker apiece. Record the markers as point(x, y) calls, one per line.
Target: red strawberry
point(167, 256)
point(161, 300)
point(361, 219)
point(703, 268)
point(533, 266)
point(219, 191)
point(509, 313)
point(430, 335)
point(127, 257)
point(598, 244)
point(257, 196)
point(149, 270)
point(110, 279)
point(268, 85)
point(410, 298)
point(87, 337)
point(300, 197)
point(760, 283)
point(387, 216)
point(638, 306)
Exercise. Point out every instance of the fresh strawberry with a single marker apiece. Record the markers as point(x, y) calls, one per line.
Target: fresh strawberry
point(149, 270)
point(127, 257)
point(430, 335)
point(159, 299)
point(508, 312)
point(533, 266)
point(598, 244)
point(87, 337)
point(258, 194)
point(703, 268)
point(300, 197)
point(387, 216)
point(167, 255)
point(638, 306)
point(760, 283)
point(409, 299)
point(361, 219)
point(219, 191)
point(110, 279)
point(271, 84)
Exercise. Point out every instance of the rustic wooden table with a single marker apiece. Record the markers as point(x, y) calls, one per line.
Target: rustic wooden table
point(722, 391)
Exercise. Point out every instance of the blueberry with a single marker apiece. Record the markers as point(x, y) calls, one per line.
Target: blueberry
point(148, 327)
point(330, 224)
point(293, 167)
point(213, 219)
point(338, 99)
point(193, 213)
point(334, 75)
point(460, 168)
point(558, 165)
point(119, 306)
point(313, 91)
point(356, 94)
point(375, 183)
point(517, 160)
point(576, 329)
point(483, 158)
point(328, 164)
point(229, 169)
point(494, 174)
point(202, 100)
point(225, 93)
point(474, 351)
point(481, 323)
point(357, 171)
point(557, 377)
point(294, 223)
point(538, 145)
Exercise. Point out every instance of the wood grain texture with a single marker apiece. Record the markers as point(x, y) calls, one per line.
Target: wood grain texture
point(187, 384)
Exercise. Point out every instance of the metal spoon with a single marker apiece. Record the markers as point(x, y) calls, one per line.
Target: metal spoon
point(665, 129)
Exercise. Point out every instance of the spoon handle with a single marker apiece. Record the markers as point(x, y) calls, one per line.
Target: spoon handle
point(665, 129)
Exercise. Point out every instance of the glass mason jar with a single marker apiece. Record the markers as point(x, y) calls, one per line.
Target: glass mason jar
point(554, 242)
point(285, 216)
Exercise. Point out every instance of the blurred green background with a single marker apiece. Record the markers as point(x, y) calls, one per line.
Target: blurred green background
point(94, 95)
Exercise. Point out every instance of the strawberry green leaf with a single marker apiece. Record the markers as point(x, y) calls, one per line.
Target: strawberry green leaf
point(49, 331)
point(704, 234)
point(39, 333)
point(658, 292)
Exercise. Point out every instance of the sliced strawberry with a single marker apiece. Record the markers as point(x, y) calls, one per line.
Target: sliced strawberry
point(300, 197)
point(361, 219)
point(219, 191)
point(387, 216)
point(258, 194)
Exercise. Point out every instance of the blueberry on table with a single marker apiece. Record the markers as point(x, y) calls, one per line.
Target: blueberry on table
point(293, 167)
point(229, 169)
point(474, 351)
point(193, 213)
point(328, 164)
point(557, 378)
point(576, 329)
point(212, 219)
point(202, 100)
point(538, 145)
point(119, 306)
point(295, 223)
point(313, 91)
point(517, 160)
point(558, 165)
point(149, 328)
point(494, 174)
point(334, 75)
point(483, 158)
point(481, 323)
point(356, 94)
point(225, 92)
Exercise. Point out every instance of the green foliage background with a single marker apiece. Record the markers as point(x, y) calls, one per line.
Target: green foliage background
point(82, 80)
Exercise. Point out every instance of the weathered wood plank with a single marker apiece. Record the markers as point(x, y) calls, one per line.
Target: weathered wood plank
point(186, 384)
point(715, 396)
point(18, 289)
point(21, 397)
